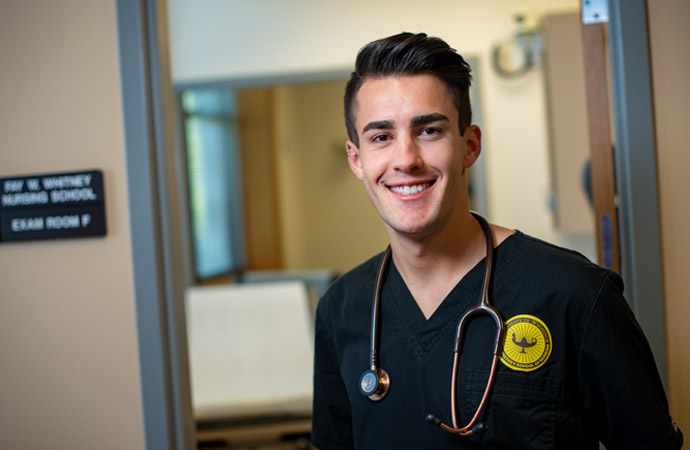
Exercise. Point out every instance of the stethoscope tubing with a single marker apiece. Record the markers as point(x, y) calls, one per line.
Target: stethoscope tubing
point(375, 316)
point(482, 307)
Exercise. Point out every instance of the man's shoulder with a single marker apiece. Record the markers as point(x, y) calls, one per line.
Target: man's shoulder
point(550, 262)
point(542, 252)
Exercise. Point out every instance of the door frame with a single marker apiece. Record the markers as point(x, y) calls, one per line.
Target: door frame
point(160, 244)
point(158, 238)
point(636, 249)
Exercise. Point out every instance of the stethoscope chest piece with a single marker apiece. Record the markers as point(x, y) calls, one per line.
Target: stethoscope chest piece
point(374, 384)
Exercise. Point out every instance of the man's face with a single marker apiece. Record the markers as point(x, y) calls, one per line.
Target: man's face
point(411, 156)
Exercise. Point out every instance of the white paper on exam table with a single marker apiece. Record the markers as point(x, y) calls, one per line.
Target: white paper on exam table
point(250, 349)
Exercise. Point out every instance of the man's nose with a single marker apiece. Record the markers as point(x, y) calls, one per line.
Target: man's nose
point(407, 155)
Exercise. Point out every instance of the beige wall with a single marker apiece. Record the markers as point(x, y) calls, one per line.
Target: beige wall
point(670, 60)
point(319, 195)
point(69, 376)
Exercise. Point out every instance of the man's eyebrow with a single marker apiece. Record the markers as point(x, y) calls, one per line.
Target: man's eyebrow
point(378, 125)
point(427, 118)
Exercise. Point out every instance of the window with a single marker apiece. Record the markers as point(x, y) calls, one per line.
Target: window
point(215, 188)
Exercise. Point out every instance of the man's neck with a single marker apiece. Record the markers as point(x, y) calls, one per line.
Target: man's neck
point(433, 265)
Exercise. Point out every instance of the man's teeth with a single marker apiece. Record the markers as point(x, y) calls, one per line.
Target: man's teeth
point(409, 190)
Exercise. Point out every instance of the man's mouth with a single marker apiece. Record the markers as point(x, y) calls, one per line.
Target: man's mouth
point(410, 189)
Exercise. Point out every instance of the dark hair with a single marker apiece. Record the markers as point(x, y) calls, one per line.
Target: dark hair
point(410, 54)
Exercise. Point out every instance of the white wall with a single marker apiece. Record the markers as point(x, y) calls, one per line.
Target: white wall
point(225, 39)
point(69, 376)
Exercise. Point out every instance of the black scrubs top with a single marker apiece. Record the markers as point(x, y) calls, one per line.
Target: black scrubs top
point(594, 377)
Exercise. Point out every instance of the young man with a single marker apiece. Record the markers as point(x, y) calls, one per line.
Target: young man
point(575, 368)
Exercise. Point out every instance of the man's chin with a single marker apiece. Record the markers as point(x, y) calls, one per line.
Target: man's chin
point(411, 230)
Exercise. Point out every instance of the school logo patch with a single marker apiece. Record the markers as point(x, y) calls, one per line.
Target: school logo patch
point(527, 345)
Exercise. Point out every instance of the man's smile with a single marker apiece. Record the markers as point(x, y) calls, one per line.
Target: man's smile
point(411, 189)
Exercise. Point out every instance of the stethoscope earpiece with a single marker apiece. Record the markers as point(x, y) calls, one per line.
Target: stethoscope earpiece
point(374, 384)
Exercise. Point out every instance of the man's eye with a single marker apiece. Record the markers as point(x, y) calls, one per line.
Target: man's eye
point(430, 131)
point(381, 138)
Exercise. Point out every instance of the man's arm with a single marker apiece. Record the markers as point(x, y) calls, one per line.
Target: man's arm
point(620, 383)
point(332, 418)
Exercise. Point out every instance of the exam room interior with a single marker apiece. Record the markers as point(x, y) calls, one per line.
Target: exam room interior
point(277, 62)
point(230, 44)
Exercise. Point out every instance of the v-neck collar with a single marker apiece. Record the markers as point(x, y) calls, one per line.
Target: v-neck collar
point(463, 295)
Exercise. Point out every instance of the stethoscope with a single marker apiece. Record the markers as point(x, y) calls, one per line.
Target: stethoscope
point(375, 382)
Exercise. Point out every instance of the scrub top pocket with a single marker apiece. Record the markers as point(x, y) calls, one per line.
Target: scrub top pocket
point(520, 411)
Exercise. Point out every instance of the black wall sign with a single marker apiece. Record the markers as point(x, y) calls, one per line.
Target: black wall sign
point(50, 206)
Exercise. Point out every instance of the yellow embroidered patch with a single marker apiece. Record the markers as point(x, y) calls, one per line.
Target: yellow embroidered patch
point(527, 345)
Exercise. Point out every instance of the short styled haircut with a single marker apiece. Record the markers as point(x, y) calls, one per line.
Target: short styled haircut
point(410, 54)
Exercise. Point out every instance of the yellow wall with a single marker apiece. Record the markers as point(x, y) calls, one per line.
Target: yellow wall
point(69, 372)
point(670, 60)
point(327, 219)
point(262, 239)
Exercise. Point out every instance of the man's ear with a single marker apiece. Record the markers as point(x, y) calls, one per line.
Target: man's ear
point(353, 159)
point(473, 141)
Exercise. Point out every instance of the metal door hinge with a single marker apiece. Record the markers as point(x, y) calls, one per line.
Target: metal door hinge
point(595, 11)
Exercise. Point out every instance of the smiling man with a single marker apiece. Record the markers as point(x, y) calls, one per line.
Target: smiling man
point(575, 368)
